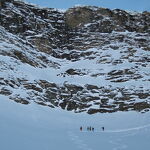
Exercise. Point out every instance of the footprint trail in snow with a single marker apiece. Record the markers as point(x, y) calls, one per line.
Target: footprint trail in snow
point(78, 142)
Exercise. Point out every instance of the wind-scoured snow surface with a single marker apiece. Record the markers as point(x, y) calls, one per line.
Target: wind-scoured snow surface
point(36, 127)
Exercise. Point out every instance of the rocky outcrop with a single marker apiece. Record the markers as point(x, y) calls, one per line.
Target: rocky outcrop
point(88, 98)
point(50, 29)
point(76, 17)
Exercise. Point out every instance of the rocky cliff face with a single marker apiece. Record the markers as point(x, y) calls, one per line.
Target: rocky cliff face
point(84, 59)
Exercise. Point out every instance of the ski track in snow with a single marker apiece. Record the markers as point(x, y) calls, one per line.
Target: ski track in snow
point(78, 142)
point(122, 130)
point(126, 130)
point(117, 144)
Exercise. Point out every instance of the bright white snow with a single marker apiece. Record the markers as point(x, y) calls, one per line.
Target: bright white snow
point(36, 127)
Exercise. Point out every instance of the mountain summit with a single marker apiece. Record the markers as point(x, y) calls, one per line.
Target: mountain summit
point(86, 58)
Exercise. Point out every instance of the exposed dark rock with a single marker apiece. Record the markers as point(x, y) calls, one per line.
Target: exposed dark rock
point(141, 106)
point(43, 38)
point(5, 91)
point(91, 87)
point(20, 100)
point(32, 87)
point(78, 16)
point(71, 72)
point(72, 106)
point(73, 88)
point(46, 85)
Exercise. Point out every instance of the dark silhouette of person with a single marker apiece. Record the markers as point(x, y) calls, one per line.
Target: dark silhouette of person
point(103, 128)
point(92, 128)
point(88, 128)
point(81, 128)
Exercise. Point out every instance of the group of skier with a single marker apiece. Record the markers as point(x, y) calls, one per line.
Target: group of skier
point(89, 128)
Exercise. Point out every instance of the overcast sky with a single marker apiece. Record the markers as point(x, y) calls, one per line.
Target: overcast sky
point(133, 5)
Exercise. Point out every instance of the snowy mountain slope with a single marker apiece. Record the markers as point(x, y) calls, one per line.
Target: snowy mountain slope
point(75, 60)
point(88, 60)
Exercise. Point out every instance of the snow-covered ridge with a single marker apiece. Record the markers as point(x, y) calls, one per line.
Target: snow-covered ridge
point(91, 65)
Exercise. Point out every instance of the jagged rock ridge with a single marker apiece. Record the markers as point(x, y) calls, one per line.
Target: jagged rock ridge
point(84, 59)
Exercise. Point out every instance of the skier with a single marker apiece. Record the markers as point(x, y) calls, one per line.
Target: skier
point(81, 128)
point(92, 128)
point(88, 128)
point(103, 128)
